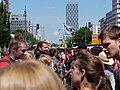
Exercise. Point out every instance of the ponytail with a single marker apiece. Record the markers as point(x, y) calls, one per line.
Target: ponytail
point(105, 84)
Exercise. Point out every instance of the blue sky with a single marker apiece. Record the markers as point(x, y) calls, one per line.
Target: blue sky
point(51, 13)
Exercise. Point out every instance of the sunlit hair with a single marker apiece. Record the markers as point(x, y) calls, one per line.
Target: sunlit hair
point(94, 70)
point(29, 75)
point(45, 59)
point(111, 31)
point(29, 55)
point(16, 44)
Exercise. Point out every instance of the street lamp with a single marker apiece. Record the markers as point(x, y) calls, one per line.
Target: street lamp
point(85, 32)
point(25, 14)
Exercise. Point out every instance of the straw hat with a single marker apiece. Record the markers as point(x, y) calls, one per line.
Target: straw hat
point(104, 58)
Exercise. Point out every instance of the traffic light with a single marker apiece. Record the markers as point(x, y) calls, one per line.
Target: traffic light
point(89, 24)
point(37, 26)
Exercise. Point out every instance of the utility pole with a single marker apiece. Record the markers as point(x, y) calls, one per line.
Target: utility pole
point(63, 32)
point(85, 32)
point(25, 14)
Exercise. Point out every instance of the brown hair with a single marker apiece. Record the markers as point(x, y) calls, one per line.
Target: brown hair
point(111, 31)
point(94, 70)
point(19, 36)
point(40, 44)
point(37, 51)
point(15, 44)
point(29, 75)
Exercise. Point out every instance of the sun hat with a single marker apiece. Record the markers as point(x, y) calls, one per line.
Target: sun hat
point(104, 59)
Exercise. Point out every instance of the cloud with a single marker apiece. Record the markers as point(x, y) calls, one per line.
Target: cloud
point(55, 33)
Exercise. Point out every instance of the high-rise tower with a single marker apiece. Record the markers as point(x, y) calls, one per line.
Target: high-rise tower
point(72, 16)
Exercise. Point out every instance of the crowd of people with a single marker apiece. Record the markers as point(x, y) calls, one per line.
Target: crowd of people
point(42, 68)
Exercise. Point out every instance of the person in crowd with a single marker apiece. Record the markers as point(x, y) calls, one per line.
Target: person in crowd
point(42, 48)
point(107, 62)
point(29, 75)
point(96, 50)
point(108, 66)
point(17, 49)
point(55, 63)
point(46, 59)
point(88, 73)
point(82, 45)
point(29, 55)
point(110, 39)
point(63, 64)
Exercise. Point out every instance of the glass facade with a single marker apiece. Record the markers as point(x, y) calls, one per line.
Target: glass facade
point(72, 17)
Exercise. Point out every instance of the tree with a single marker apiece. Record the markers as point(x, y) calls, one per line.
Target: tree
point(54, 45)
point(82, 35)
point(4, 25)
point(29, 37)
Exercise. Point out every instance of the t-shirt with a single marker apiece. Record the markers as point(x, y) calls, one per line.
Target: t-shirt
point(5, 61)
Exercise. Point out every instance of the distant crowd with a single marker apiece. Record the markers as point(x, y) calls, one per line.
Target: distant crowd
point(24, 67)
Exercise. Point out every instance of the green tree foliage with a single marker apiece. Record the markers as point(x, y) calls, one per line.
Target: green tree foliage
point(82, 35)
point(4, 26)
point(29, 37)
point(54, 45)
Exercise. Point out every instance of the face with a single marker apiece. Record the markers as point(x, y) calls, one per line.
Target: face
point(112, 46)
point(76, 75)
point(20, 52)
point(44, 48)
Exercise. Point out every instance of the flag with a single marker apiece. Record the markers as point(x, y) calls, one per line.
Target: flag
point(69, 28)
point(66, 32)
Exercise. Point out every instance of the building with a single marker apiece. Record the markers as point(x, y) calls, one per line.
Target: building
point(102, 23)
point(95, 28)
point(40, 34)
point(72, 16)
point(113, 16)
point(17, 21)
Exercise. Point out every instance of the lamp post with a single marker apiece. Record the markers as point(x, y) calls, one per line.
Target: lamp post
point(25, 14)
point(85, 32)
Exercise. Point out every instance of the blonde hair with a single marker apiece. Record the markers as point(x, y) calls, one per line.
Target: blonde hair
point(29, 75)
point(29, 55)
point(46, 59)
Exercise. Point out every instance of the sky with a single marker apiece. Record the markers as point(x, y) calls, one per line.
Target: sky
point(51, 14)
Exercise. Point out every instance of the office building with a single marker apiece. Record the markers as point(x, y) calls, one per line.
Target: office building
point(72, 16)
point(17, 21)
point(40, 34)
point(95, 29)
point(113, 16)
